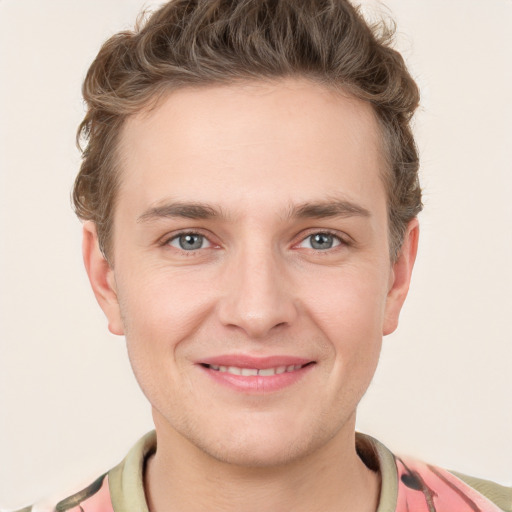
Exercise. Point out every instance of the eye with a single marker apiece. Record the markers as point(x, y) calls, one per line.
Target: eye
point(189, 242)
point(321, 241)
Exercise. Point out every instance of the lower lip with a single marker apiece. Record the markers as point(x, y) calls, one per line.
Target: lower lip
point(257, 384)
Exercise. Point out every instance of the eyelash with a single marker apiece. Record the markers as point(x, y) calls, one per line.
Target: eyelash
point(343, 241)
point(167, 241)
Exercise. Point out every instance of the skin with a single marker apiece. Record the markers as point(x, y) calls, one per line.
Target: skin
point(258, 155)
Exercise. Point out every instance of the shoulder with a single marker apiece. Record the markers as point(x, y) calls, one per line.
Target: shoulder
point(408, 484)
point(450, 490)
point(499, 494)
point(119, 490)
point(93, 498)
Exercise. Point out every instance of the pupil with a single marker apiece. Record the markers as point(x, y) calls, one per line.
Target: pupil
point(322, 241)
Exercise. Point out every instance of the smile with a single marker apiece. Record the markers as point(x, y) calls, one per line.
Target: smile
point(256, 375)
point(254, 372)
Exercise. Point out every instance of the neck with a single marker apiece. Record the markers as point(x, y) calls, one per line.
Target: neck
point(181, 478)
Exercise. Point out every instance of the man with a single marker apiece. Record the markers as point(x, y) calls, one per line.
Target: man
point(249, 190)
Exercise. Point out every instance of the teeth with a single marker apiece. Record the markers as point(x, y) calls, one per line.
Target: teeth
point(251, 372)
point(248, 372)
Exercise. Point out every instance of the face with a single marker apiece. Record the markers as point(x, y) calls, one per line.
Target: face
point(251, 270)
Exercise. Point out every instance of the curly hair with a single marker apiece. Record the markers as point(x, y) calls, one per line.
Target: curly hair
point(212, 42)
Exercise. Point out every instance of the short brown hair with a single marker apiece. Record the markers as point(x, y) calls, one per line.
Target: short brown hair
point(202, 42)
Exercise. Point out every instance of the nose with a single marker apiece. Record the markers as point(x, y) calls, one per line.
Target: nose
point(258, 294)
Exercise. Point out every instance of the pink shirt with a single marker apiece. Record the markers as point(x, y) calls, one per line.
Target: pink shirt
point(407, 485)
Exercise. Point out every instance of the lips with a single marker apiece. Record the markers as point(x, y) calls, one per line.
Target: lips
point(256, 374)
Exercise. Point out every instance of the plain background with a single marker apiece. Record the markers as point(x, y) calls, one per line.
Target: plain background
point(69, 406)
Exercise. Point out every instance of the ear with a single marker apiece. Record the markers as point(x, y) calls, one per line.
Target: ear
point(400, 277)
point(101, 277)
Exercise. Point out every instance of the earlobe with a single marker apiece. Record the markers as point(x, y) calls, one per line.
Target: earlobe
point(101, 277)
point(401, 277)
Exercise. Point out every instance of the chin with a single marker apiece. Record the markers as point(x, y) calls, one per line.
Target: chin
point(258, 453)
point(258, 444)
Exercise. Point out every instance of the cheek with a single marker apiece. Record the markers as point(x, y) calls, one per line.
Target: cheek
point(349, 303)
point(159, 314)
point(350, 314)
point(162, 305)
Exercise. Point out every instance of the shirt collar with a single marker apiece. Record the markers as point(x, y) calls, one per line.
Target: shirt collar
point(126, 480)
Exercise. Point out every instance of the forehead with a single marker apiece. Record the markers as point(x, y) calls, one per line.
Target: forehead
point(254, 144)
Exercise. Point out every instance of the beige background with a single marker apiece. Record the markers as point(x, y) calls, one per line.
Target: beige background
point(69, 407)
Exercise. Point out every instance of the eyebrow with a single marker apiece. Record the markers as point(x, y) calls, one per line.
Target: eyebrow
point(330, 208)
point(201, 211)
point(198, 211)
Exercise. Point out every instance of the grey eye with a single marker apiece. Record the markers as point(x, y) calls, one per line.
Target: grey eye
point(189, 242)
point(321, 241)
